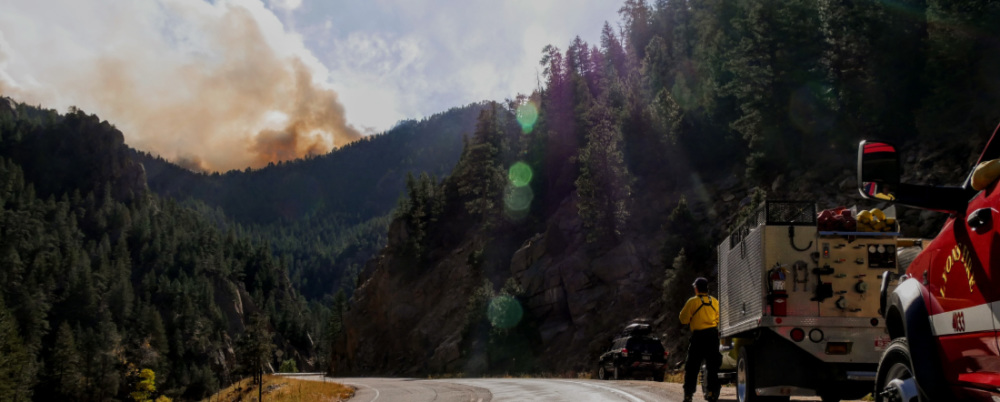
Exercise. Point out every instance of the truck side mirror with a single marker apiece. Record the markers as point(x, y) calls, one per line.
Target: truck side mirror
point(878, 170)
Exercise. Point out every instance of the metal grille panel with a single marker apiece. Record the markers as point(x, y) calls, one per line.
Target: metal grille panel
point(743, 229)
point(741, 281)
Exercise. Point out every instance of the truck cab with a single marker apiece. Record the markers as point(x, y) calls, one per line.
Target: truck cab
point(941, 313)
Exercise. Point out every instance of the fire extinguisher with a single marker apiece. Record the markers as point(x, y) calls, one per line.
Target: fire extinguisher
point(777, 295)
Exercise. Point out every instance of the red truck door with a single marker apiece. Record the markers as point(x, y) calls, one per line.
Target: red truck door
point(964, 279)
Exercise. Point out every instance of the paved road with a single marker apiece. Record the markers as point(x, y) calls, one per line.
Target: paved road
point(503, 389)
point(517, 389)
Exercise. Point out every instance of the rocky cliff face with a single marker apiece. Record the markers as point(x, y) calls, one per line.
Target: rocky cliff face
point(407, 320)
point(416, 321)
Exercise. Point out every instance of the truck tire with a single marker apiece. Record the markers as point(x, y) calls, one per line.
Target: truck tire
point(745, 368)
point(894, 379)
point(601, 374)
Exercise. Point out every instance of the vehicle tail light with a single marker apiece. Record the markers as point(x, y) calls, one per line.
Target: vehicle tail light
point(624, 352)
point(838, 348)
point(798, 334)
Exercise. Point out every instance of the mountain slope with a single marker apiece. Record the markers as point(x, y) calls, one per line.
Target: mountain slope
point(101, 278)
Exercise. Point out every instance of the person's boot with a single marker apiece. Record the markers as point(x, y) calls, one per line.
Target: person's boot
point(688, 397)
point(710, 397)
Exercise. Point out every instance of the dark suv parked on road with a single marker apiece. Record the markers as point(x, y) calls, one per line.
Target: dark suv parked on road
point(633, 353)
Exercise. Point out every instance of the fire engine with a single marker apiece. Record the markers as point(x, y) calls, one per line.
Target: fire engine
point(799, 304)
point(942, 314)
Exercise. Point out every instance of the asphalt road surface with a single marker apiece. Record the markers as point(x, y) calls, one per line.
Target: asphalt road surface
point(517, 389)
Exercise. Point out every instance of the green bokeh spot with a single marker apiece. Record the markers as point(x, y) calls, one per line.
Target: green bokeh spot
point(505, 312)
point(519, 198)
point(527, 115)
point(520, 174)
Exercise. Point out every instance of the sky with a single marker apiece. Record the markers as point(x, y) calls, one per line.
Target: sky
point(231, 84)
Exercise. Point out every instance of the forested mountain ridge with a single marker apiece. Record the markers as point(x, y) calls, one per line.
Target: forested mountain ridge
point(325, 215)
point(645, 149)
point(356, 182)
point(100, 278)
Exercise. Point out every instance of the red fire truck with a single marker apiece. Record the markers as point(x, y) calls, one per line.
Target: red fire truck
point(943, 314)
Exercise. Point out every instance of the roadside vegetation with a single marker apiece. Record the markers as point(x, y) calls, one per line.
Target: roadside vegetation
point(283, 389)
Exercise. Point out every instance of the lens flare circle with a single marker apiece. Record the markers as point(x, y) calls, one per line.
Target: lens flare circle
point(527, 115)
point(519, 198)
point(505, 312)
point(520, 174)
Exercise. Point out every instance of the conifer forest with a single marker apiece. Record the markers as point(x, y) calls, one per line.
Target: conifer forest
point(114, 260)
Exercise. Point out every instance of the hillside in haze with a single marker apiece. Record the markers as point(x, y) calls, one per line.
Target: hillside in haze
point(326, 215)
point(599, 198)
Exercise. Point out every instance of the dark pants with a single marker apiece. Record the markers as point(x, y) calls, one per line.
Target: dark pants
point(704, 346)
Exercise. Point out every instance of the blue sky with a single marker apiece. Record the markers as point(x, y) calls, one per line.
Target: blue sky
point(233, 83)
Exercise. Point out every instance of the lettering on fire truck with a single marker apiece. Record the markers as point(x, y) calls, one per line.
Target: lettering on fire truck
point(958, 321)
point(959, 255)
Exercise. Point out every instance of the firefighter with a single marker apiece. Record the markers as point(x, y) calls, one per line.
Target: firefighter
point(701, 312)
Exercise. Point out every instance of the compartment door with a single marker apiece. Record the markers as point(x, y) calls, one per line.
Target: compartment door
point(965, 278)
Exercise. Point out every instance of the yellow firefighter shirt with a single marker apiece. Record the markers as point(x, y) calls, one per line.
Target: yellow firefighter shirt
point(701, 311)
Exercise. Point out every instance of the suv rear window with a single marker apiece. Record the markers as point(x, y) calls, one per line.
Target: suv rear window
point(645, 345)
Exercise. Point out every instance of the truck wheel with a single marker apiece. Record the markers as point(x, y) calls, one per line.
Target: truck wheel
point(894, 379)
point(745, 387)
point(601, 374)
point(658, 376)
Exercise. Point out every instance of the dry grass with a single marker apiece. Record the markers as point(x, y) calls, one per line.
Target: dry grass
point(284, 389)
point(674, 376)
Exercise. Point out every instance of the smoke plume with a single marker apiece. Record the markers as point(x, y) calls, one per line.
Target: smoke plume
point(212, 86)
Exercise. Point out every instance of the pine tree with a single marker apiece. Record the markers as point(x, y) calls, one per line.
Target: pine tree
point(636, 18)
point(65, 364)
point(480, 174)
point(16, 366)
point(604, 186)
point(961, 59)
point(255, 346)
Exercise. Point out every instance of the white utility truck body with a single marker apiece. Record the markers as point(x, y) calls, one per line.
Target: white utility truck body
point(799, 306)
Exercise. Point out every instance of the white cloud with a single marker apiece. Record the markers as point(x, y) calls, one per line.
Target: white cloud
point(285, 4)
point(466, 51)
